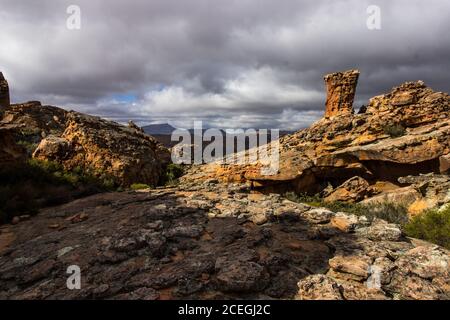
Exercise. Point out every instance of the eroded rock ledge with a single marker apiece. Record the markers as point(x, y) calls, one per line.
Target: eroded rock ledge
point(208, 241)
point(404, 132)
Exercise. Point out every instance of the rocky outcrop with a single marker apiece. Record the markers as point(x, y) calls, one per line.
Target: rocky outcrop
point(200, 241)
point(404, 132)
point(425, 191)
point(4, 93)
point(106, 149)
point(341, 89)
point(10, 152)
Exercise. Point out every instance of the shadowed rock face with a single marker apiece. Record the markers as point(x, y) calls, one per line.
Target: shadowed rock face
point(341, 88)
point(210, 241)
point(4, 92)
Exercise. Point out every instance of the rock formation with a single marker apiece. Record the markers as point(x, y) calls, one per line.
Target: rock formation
point(214, 236)
point(404, 132)
point(104, 148)
point(213, 241)
point(341, 88)
point(4, 93)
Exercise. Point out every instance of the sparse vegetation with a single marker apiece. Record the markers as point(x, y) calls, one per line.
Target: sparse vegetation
point(29, 186)
point(432, 226)
point(341, 143)
point(172, 173)
point(394, 130)
point(390, 212)
point(139, 186)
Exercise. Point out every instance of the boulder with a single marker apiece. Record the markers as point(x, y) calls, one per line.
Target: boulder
point(352, 190)
point(355, 265)
point(380, 230)
point(53, 148)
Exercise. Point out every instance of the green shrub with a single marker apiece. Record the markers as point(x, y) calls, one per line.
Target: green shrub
point(394, 130)
point(172, 173)
point(432, 226)
point(139, 186)
point(27, 187)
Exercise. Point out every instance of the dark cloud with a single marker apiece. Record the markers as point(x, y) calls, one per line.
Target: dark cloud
point(235, 63)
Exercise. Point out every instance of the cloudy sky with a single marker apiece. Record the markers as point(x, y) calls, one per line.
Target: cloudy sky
point(233, 63)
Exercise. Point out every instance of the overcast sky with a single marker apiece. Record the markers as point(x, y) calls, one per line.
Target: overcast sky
point(233, 63)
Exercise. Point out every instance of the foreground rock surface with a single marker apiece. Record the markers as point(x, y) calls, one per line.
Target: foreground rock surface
point(200, 242)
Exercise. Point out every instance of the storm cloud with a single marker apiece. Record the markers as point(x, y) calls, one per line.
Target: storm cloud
point(236, 63)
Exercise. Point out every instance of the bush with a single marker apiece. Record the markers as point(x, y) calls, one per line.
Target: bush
point(139, 186)
point(172, 173)
point(29, 186)
point(394, 130)
point(432, 226)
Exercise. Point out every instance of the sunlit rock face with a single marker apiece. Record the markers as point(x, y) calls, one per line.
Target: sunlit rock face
point(341, 88)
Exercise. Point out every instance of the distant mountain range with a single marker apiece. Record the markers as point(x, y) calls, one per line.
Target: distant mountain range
point(158, 129)
point(167, 129)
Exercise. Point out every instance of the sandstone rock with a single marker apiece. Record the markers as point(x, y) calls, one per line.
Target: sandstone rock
point(341, 88)
point(352, 190)
point(355, 265)
point(380, 230)
point(426, 262)
point(444, 163)
point(106, 148)
point(345, 222)
point(53, 148)
point(318, 287)
point(4, 93)
point(36, 119)
point(336, 149)
point(318, 215)
point(403, 196)
point(127, 243)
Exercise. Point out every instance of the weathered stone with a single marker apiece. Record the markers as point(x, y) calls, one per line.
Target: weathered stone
point(352, 190)
point(53, 148)
point(242, 277)
point(355, 265)
point(425, 261)
point(318, 215)
point(345, 222)
point(380, 230)
point(318, 287)
point(341, 88)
